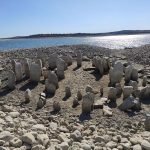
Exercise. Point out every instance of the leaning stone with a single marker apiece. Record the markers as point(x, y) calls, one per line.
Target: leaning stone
point(128, 72)
point(127, 91)
point(18, 71)
point(144, 82)
point(28, 96)
point(11, 79)
point(134, 74)
point(87, 103)
point(89, 89)
point(79, 59)
point(56, 106)
point(112, 93)
point(128, 103)
point(35, 72)
point(60, 68)
point(145, 92)
point(52, 61)
point(147, 122)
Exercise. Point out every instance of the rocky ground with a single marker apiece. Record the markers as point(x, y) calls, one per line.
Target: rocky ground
point(22, 128)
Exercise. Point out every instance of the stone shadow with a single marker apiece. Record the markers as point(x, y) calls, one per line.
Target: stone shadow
point(145, 101)
point(96, 74)
point(76, 68)
point(112, 104)
point(84, 116)
point(5, 90)
point(29, 85)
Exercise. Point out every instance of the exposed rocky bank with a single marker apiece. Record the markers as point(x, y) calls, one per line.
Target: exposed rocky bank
point(104, 127)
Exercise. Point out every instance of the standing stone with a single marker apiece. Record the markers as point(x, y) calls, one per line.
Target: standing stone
point(144, 82)
point(18, 71)
point(68, 92)
point(11, 79)
point(112, 93)
point(147, 122)
point(56, 106)
point(50, 87)
point(52, 78)
point(13, 62)
point(118, 89)
point(116, 73)
point(79, 95)
point(60, 68)
point(52, 61)
point(28, 96)
point(134, 84)
point(75, 102)
point(128, 72)
point(87, 103)
point(127, 91)
point(27, 67)
point(35, 72)
point(134, 74)
point(79, 59)
point(145, 92)
point(45, 73)
point(39, 62)
point(67, 59)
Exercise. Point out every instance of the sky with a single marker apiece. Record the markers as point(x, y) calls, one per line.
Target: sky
point(26, 17)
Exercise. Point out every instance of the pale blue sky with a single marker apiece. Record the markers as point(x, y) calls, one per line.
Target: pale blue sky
point(25, 17)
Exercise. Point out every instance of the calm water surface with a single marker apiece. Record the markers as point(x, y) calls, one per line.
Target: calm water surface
point(112, 42)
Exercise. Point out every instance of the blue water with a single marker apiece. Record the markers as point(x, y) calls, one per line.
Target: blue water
point(112, 42)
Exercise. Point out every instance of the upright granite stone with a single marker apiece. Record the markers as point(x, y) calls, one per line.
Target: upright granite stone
point(11, 79)
point(112, 94)
point(134, 74)
point(52, 61)
point(128, 72)
point(116, 73)
point(144, 82)
point(13, 63)
point(60, 68)
point(39, 62)
point(118, 89)
point(147, 122)
point(127, 91)
point(27, 67)
point(79, 59)
point(35, 72)
point(87, 103)
point(51, 84)
point(28, 96)
point(18, 71)
point(52, 78)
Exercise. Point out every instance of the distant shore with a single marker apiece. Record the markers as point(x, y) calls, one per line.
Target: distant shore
point(122, 32)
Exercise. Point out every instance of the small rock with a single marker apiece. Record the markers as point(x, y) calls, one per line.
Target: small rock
point(56, 106)
point(76, 135)
point(38, 147)
point(145, 145)
point(64, 146)
point(28, 138)
point(137, 147)
point(16, 142)
point(107, 111)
